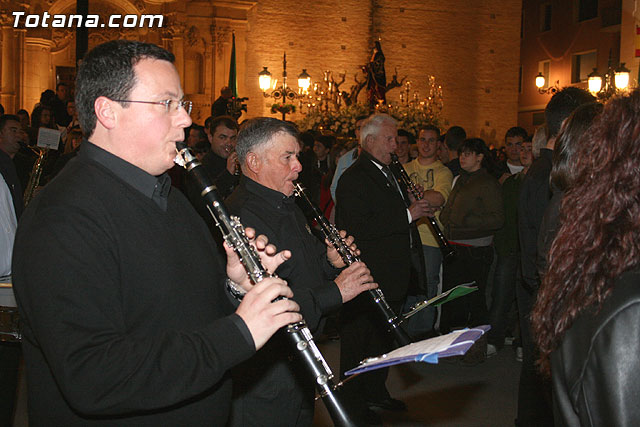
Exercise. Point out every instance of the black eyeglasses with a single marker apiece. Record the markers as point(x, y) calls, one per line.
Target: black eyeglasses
point(170, 105)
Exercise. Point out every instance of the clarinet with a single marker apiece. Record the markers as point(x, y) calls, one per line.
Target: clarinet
point(333, 236)
point(298, 333)
point(445, 246)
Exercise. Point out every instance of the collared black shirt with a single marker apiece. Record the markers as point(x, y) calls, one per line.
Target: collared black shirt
point(154, 187)
point(307, 272)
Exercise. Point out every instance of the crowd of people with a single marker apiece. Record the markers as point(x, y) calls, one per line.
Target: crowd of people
point(135, 291)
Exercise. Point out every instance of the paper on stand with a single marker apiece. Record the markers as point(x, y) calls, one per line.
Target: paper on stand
point(453, 344)
point(48, 138)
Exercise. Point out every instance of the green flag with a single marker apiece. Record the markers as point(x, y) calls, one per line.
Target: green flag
point(233, 83)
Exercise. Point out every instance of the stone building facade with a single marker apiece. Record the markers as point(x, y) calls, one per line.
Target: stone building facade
point(565, 40)
point(471, 47)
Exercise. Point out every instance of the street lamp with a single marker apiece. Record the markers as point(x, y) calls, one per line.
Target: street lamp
point(613, 81)
point(304, 81)
point(271, 89)
point(264, 77)
point(540, 83)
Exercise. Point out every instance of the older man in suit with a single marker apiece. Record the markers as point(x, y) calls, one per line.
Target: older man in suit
point(378, 212)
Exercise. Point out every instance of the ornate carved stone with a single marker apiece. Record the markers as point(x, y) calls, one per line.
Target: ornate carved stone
point(220, 36)
point(6, 12)
point(61, 38)
point(172, 26)
point(195, 40)
point(140, 5)
point(107, 34)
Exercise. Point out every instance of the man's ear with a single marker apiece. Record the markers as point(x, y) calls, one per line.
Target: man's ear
point(368, 139)
point(105, 112)
point(253, 162)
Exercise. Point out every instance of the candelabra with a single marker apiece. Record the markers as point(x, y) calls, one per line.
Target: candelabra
point(271, 89)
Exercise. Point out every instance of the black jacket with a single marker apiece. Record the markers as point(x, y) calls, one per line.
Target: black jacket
point(596, 381)
point(374, 212)
point(307, 272)
point(268, 388)
point(534, 198)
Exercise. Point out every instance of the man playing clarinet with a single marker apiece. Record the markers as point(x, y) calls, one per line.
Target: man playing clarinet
point(372, 206)
point(118, 281)
point(271, 388)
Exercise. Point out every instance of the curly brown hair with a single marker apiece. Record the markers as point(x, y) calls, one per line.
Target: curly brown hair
point(599, 238)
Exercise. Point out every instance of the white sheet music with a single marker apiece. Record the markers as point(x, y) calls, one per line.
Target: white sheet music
point(429, 346)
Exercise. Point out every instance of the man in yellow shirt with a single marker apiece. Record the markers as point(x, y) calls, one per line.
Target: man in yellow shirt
point(435, 178)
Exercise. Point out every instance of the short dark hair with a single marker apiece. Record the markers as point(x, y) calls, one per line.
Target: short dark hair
point(433, 128)
point(454, 137)
point(194, 126)
point(4, 118)
point(61, 84)
point(107, 70)
point(516, 131)
point(327, 140)
point(47, 97)
point(260, 131)
point(227, 121)
point(308, 138)
point(568, 143)
point(409, 135)
point(478, 146)
point(473, 145)
point(562, 104)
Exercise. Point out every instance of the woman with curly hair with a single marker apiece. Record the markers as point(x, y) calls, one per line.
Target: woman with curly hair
point(587, 315)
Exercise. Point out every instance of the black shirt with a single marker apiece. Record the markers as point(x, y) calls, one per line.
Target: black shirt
point(534, 198)
point(125, 316)
point(454, 166)
point(155, 188)
point(308, 271)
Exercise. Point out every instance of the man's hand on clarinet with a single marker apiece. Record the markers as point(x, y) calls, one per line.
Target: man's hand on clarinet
point(420, 189)
point(269, 256)
point(354, 280)
point(332, 254)
point(264, 316)
point(420, 208)
point(232, 163)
